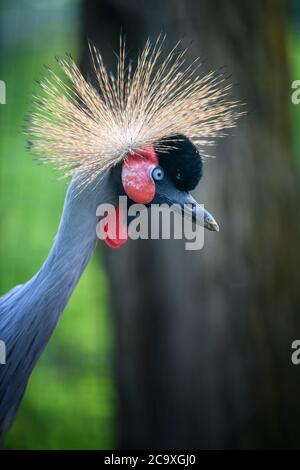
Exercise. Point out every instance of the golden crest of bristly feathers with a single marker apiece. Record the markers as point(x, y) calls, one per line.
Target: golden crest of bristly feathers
point(78, 126)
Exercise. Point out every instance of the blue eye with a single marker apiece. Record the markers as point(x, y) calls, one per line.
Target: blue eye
point(158, 173)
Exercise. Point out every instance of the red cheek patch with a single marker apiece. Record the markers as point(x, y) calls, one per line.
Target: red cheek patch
point(139, 187)
point(136, 175)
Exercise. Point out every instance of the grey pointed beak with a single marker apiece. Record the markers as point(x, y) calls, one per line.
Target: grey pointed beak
point(167, 193)
point(199, 214)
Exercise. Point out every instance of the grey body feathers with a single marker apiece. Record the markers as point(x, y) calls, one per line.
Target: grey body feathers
point(29, 313)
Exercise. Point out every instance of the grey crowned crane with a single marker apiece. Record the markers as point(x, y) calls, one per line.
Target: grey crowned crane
point(138, 135)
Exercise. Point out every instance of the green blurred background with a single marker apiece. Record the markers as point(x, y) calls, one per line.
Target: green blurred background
point(71, 401)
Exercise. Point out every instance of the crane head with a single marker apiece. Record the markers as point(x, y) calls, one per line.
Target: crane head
point(141, 124)
point(163, 175)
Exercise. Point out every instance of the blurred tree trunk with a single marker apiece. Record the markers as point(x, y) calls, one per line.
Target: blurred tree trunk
point(204, 338)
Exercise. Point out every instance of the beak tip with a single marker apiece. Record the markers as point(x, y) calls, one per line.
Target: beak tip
point(214, 227)
point(210, 223)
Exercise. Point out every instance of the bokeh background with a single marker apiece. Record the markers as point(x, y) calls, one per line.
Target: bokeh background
point(159, 347)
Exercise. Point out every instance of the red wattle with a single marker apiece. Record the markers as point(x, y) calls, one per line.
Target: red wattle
point(115, 229)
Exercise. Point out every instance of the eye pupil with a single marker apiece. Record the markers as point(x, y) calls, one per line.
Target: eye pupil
point(158, 173)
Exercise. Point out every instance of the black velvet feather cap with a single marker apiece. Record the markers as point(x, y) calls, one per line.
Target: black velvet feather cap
point(182, 162)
